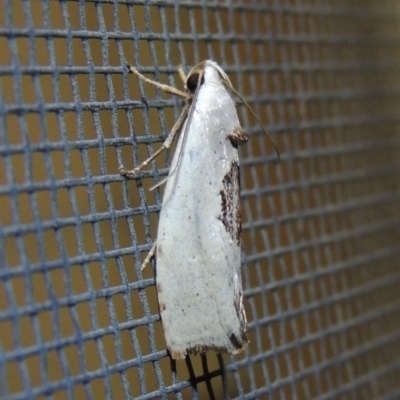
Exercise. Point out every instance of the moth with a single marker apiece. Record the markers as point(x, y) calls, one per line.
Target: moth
point(198, 245)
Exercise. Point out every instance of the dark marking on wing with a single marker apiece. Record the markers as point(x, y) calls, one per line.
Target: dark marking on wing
point(241, 314)
point(239, 307)
point(162, 307)
point(230, 204)
point(239, 342)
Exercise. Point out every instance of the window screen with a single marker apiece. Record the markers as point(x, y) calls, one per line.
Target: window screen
point(78, 317)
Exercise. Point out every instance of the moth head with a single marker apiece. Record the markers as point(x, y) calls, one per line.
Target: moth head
point(193, 77)
point(199, 70)
point(193, 80)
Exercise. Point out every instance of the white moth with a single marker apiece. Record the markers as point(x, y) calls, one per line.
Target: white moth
point(198, 244)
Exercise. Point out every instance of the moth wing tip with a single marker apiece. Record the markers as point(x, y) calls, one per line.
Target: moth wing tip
point(177, 355)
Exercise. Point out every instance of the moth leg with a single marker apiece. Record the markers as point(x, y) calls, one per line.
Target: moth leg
point(166, 145)
point(164, 88)
point(149, 256)
point(238, 137)
point(182, 74)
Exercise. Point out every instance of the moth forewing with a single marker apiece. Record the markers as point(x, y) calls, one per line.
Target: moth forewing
point(199, 233)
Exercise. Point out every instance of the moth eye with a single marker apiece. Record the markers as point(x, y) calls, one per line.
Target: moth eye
point(192, 81)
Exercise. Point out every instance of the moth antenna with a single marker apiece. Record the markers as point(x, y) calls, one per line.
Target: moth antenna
point(225, 77)
point(255, 117)
point(189, 118)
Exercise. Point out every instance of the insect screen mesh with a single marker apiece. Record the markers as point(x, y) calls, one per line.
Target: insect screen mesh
point(78, 318)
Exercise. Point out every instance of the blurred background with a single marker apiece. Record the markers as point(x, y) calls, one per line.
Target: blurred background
point(321, 271)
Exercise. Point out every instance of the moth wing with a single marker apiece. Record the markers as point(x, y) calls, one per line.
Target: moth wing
point(198, 244)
